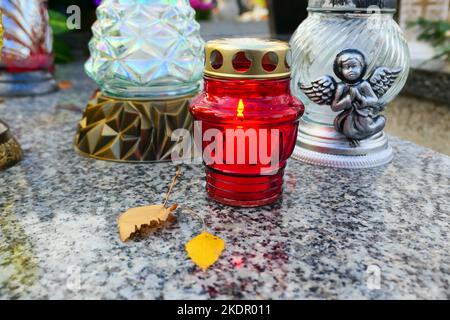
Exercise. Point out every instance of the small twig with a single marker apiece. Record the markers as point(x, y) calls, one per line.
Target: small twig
point(174, 180)
point(190, 211)
point(196, 215)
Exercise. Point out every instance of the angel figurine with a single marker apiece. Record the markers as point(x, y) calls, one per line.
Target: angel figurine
point(357, 99)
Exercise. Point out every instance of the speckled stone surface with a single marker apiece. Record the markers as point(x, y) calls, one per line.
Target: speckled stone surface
point(369, 234)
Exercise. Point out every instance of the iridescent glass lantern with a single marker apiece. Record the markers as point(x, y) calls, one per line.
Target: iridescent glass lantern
point(147, 58)
point(349, 61)
point(27, 58)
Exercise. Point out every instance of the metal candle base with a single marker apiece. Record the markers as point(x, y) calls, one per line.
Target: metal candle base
point(322, 145)
point(10, 152)
point(131, 130)
point(26, 83)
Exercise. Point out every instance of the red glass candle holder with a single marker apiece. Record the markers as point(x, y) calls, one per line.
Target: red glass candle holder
point(248, 119)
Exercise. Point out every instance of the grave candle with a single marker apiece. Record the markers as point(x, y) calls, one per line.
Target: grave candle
point(349, 61)
point(248, 119)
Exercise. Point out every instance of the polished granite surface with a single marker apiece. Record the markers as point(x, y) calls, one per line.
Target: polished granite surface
point(370, 234)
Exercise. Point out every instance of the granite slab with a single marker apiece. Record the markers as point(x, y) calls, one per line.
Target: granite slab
point(368, 234)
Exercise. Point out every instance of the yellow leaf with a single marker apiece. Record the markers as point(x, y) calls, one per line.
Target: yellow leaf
point(205, 249)
point(137, 219)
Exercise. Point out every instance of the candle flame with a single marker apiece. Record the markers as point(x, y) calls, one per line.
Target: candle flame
point(240, 109)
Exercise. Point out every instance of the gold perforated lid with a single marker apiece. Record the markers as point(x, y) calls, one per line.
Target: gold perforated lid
point(247, 58)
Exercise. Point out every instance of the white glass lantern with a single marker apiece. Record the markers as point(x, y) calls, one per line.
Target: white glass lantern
point(349, 61)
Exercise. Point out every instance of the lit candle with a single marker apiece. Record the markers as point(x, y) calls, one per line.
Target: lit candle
point(248, 118)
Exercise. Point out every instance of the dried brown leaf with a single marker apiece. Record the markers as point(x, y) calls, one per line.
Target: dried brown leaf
point(144, 219)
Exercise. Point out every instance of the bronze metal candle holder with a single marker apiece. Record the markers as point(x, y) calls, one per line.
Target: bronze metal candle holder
point(132, 130)
point(10, 151)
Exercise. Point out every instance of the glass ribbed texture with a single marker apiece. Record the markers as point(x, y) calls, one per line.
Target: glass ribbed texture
point(322, 36)
point(146, 48)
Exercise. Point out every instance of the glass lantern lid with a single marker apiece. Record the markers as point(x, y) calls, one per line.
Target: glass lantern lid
point(146, 49)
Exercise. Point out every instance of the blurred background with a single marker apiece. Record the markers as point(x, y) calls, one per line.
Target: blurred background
point(420, 114)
